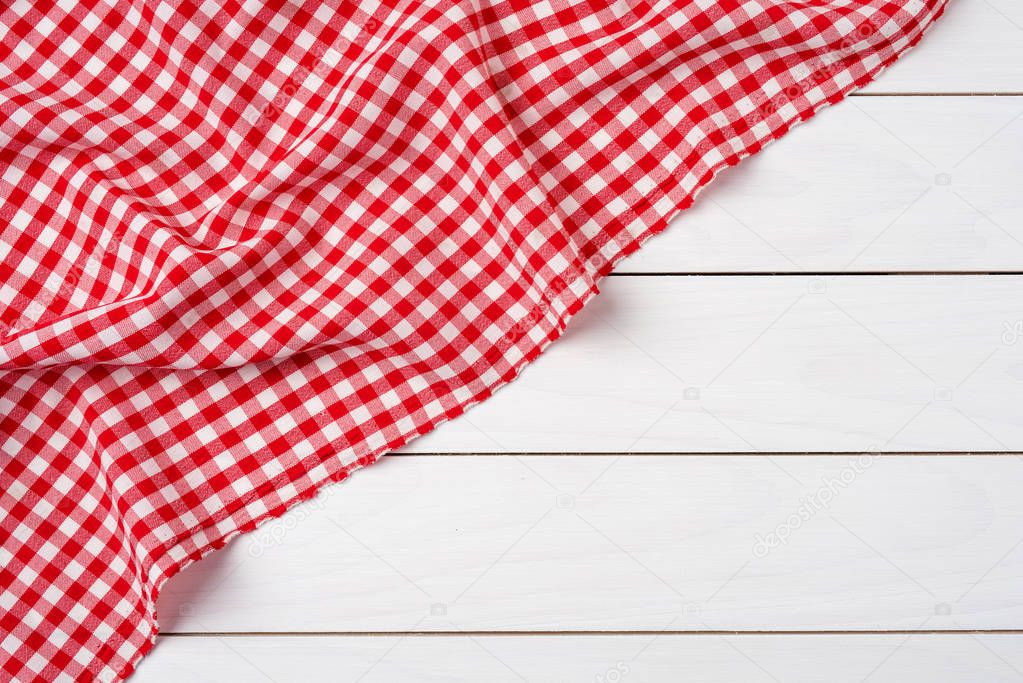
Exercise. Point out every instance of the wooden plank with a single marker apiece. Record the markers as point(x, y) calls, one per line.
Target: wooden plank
point(873, 184)
point(685, 543)
point(976, 47)
point(605, 659)
point(737, 364)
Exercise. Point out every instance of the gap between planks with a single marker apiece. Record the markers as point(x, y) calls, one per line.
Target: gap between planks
point(816, 273)
point(638, 633)
point(703, 454)
point(977, 93)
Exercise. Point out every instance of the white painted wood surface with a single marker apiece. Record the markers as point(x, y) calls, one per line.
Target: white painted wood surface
point(976, 47)
point(656, 556)
point(737, 364)
point(936, 658)
point(566, 543)
point(875, 184)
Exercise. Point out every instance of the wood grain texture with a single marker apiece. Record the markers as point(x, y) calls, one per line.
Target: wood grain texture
point(873, 184)
point(746, 364)
point(544, 543)
point(540, 543)
point(975, 47)
point(604, 659)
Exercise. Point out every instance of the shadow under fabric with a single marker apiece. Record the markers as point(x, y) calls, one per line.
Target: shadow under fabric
point(247, 249)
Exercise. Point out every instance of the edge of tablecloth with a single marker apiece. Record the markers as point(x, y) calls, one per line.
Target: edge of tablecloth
point(550, 317)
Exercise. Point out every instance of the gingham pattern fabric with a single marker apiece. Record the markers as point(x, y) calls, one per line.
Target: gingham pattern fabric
point(246, 248)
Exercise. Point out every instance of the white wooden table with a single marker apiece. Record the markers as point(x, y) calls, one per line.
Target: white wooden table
point(784, 444)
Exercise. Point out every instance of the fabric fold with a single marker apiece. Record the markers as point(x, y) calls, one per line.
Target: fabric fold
point(248, 248)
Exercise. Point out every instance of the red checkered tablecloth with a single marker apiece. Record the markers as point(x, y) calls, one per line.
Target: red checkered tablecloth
point(247, 248)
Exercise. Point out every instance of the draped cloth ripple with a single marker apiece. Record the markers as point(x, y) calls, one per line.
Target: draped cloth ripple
point(247, 248)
